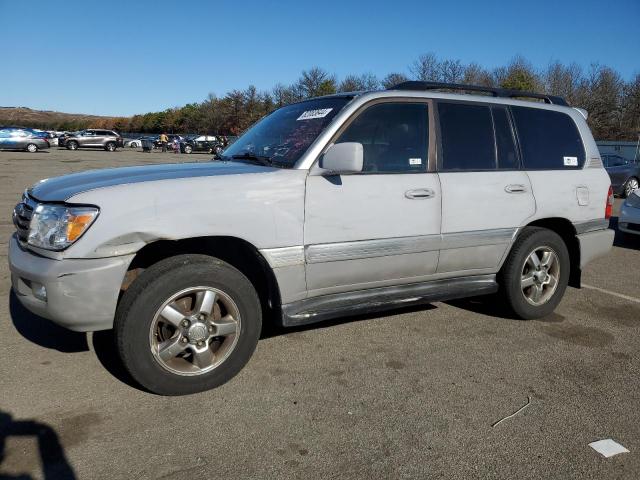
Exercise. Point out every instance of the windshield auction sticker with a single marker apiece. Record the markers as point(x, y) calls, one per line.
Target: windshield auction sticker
point(310, 114)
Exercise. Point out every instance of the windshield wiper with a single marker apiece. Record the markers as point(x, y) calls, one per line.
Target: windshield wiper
point(259, 159)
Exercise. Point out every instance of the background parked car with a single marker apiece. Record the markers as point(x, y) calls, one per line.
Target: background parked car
point(624, 174)
point(171, 138)
point(92, 138)
point(133, 143)
point(629, 220)
point(203, 143)
point(22, 139)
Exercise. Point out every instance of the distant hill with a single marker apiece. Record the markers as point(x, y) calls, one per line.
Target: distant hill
point(50, 120)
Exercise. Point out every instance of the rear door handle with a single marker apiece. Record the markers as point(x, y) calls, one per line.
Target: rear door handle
point(515, 188)
point(419, 194)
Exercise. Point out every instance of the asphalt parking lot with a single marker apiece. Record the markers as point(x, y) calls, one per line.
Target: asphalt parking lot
point(406, 394)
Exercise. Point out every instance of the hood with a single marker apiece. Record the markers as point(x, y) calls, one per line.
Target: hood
point(59, 189)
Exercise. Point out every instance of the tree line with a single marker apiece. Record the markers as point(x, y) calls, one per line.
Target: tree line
point(613, 103)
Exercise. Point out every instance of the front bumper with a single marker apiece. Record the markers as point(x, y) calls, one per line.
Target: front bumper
point(629, 220)
point(595, 244)
point(81, 294)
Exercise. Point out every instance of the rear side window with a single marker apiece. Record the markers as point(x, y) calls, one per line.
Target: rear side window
point(466, 136)
point(394, 137)
point(549, 140)
point(505, 144)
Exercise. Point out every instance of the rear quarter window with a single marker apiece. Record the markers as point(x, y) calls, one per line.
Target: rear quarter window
point(549, 140)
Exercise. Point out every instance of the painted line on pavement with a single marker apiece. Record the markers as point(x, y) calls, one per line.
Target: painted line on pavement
point(615, 294)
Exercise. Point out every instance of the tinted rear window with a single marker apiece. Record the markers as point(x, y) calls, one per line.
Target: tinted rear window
point(466, 135)
point(548, 139)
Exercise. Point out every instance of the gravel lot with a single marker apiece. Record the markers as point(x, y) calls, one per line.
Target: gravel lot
point(408, 394)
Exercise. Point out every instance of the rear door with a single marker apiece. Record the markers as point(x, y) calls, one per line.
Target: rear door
point(382, 226)
point(485, 194)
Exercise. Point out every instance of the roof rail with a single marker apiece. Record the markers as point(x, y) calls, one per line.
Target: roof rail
point(496, 92)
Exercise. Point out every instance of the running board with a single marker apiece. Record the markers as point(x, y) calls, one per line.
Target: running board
point(325, 307)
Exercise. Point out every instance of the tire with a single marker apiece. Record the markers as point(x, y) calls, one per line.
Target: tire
point(188, 149)
point(140, 329)
point(630, 185)
point(32, 148)
point(72, 145)
point(518, 270)
point(217, 150)
point(110, 147)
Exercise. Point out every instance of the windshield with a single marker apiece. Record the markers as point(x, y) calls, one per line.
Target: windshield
point(282, 137)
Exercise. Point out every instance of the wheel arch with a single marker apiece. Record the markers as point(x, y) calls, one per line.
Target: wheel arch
point(567, 231)
point(237, 252)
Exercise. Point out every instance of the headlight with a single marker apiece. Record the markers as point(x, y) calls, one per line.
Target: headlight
point(55, 227)
point(633, 200)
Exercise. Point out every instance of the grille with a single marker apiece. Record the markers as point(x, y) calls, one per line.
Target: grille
point(22, 216)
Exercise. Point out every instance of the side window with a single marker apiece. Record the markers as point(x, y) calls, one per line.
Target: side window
point(617, 161)
point(394, 137)
point(466, 136)
point(548, 139)
point(505, 144)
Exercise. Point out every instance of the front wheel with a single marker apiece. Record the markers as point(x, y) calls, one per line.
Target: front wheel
point(110, 147)
point(72, 145)
point(535, 275)
point(187, 324)
point(32, 148)
point(188, 149)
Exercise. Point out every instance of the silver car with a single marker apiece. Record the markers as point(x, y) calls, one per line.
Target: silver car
point(329, 207)
point(92, 138)
point(22, 139)
point(629, 220)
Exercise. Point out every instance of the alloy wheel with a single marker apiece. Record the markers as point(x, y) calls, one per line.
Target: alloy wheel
point(631, 186)
point(195, 330)
point(540, 275)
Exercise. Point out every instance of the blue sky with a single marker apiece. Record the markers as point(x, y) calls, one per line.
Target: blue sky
point(121, 58)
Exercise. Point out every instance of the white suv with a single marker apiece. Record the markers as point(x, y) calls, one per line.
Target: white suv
point(333, 206)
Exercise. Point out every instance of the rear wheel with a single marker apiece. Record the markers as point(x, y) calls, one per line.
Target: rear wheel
point(535, 275)
point(110, 147)
point(32, 148)
point(187, 324)
point(72, 145)
point(631, 185)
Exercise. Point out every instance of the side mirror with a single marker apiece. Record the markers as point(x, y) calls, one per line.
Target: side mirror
point(343, 158)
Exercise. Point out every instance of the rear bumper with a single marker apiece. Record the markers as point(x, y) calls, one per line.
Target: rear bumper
point(595, 244)
point(81, 294)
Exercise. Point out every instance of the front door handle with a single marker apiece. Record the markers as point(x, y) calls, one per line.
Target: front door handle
point(419, 194)
point(515, 188)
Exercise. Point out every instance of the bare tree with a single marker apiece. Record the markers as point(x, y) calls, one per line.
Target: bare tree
point(315, 82)
point(393, 79)
point(474, 74)
point(426, 68)
point(355, 83)
point(451, 71)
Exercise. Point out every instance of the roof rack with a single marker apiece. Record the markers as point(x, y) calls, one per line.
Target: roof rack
point(496, 92)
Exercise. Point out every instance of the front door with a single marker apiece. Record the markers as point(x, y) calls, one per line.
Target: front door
point(485, 194)
point(382, 226)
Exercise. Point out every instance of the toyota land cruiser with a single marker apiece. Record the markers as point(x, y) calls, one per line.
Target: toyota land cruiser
point(332, 206)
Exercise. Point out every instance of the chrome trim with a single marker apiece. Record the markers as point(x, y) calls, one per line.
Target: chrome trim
point(324, 307)
point(594, 162)
point(591, 225)
point(333, 252)
point(477, 238)
point(284, 257)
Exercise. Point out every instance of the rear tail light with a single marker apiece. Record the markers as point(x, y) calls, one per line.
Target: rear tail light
point(608, 208)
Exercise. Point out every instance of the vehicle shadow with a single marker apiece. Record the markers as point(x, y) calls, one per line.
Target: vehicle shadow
point(104, 346)
point(272, 328)
point(622, 240)
point(53, 461)
point(43, 332)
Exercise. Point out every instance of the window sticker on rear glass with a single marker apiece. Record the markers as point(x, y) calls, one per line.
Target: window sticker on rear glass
point(415, 161)
point(310, 114)
point(570, 161)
